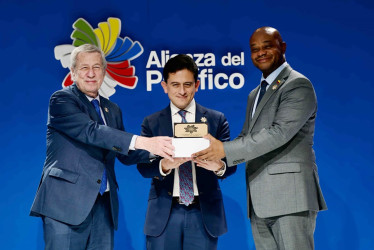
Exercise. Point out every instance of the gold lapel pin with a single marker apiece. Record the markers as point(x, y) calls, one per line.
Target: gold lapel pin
point(203, 119)
point(106, 109)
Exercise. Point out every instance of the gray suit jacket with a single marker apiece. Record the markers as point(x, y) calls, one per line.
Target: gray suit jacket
point(276, 145)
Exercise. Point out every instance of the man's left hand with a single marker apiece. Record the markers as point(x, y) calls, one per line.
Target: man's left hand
point(210, 165)
point(214, 152)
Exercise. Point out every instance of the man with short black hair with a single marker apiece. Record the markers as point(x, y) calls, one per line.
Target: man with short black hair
point(185, 206)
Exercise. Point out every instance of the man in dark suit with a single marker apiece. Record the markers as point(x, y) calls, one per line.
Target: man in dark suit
point(77, 195)
point(171, 221)
point(276, 143)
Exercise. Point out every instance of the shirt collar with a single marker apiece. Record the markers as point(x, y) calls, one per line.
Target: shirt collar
point(90, 98)
point(191, 108)
point(274, 74)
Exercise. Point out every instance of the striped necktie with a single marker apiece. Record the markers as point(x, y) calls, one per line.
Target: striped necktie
point(185, 175)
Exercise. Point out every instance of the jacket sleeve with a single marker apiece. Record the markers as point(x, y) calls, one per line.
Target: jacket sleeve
point(68, 115)
point(297, 104)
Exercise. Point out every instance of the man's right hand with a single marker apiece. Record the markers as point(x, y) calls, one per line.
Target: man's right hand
point(159, 145)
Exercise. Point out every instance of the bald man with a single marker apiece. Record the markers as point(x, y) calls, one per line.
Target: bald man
point(276, 143)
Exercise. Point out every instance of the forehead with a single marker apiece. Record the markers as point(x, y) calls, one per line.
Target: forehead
point(89, 58)
point(262, 37)
point(183, 75)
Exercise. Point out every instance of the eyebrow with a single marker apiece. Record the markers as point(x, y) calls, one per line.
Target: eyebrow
point(267, 41)
point(181, 82)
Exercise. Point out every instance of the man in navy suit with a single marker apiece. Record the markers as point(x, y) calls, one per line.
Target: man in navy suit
point(172, 223)
point(77, 195)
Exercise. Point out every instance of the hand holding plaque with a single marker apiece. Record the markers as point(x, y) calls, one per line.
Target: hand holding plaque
point(188, 138)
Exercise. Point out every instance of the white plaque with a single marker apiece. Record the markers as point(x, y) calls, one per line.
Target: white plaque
point(185, 147)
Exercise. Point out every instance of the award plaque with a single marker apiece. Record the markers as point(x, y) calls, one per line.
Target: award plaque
point(188, 138)
point(190, 130)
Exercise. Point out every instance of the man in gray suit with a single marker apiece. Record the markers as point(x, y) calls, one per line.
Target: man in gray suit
point(77, 194)
point(276, 142)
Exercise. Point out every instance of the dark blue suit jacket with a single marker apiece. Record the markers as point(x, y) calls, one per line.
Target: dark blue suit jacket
point(78, 150)
point(160, 195)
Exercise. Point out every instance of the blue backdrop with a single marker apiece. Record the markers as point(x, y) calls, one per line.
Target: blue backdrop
point(329, 41)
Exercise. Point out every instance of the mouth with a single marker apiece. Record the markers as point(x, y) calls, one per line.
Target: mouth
point(263, 60)
point(91, 81)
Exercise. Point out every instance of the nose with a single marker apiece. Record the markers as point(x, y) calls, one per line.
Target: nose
point(182, 90)
point(91, 72)
point(261, 53)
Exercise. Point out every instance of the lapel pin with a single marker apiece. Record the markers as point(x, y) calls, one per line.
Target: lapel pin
point(203, 119)
point(106, 109)
point(276, 85)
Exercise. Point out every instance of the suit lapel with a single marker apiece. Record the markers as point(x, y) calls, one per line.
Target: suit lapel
point(274, 86)
point(105, 107)
point(200, 113)
point(251, 103)
point(91, 110)
point(166, 125)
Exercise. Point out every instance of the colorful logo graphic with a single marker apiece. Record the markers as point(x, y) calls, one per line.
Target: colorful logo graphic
point(118, 53)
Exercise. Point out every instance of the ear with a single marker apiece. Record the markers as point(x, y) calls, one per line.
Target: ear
point(164, 86)
point(73, 75)
point(283, 47)
point(197, 84)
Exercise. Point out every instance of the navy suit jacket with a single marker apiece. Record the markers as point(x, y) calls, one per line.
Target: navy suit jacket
point(78, 150)
point(161, 192)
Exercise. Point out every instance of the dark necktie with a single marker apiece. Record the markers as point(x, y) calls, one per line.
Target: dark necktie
point(264, 84)
point(103, 186)
point(185, 175)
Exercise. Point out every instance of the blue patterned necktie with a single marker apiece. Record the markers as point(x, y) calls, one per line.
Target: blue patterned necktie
point(185, 175)
point(104, 180)
point(264, 84)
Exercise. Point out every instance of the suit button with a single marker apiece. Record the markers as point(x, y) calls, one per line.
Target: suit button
point(169, 193)
point(156, 177)
point(99, 181)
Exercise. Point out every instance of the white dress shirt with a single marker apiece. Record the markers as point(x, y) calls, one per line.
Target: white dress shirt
point(176, 118)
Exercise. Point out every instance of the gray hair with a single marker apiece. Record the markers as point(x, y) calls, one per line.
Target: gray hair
point(86, 48)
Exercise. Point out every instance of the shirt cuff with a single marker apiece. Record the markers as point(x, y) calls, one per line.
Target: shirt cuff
point(162, 172)
point(132, 143)
point(222, 170)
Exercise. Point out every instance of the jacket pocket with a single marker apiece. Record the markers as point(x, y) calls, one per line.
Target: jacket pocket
point(282, 168)
point(64, 174)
